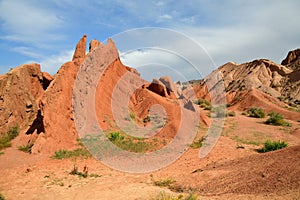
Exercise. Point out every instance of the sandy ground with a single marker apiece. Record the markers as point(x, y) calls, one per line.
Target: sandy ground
point(227, 172)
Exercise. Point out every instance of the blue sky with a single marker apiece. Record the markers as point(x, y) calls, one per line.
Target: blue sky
point(46, 32)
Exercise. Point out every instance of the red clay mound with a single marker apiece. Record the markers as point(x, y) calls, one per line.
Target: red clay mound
point(256, 98)
point(274, 172)
point(260, 83)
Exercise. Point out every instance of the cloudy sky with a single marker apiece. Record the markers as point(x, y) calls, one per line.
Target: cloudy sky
point(234, 30)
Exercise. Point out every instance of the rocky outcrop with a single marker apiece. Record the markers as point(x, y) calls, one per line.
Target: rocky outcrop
point(94, 44)
point(291, 58)
point(56, 107)
point(20, 91)
point(80, 51)
point(170, 86)
point(158, 87)
point(252, 79)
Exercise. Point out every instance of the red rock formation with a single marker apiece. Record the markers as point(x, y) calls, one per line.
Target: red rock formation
point(56, 107)
point(258, 83)
point(94, 44)
point(80, 51)
point(158, 87)
point(292, 59)
point(20, 90)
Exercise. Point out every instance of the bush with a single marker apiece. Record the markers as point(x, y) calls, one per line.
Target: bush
point(147, 119)
point(8, 136)
point(256, 112)
point(164, 196)
point(80, 152)
point(115, 136)
point(272, 146)
point(203, 103)
point(277, 120)
point(26, 148)
point(164, 183)
point(231, 114)
point(197, 143)
point(129, 143)
point(2, 197)
point(83, 174)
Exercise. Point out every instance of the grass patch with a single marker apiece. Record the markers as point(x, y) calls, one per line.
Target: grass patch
point(115, 136)
point(26, 148)
point(80, 152)
point(231, 114)
point(129, 143)
point(273, 146)
point(5, 138)
point(203, 103)
point(147, 119)
point(164, 183)
point(132, 116)
point(245, 141)
point(240, 146)
point(1, 153)
point(2, 197)
point(164, 196)
point(256, 112)
point(197, 143)
point(277, 120)
point(83, 174)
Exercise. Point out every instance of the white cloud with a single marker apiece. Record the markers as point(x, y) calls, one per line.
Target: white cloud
point(160, 3)
point(52, 63)
point(25, 21)
point(165, 17)
point(26, 51)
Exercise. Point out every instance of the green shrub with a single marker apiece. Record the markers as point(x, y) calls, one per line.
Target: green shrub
point(132, 116)
point(2, 197)
point(277, 120)
point(147, 119)
point(83, 174)
point(256, 112)
point(203, 103)
point(164, 196)
point(26, 148)
point(115, 136)
point(272, 146)
point(164, 183)
point(129, 143)
point(231, 114)
point(197, 143)
point(80, 152)
point(5, 138)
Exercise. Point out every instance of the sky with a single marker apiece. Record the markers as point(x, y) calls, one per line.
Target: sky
point(240, 31)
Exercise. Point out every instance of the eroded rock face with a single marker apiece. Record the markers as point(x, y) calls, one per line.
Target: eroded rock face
point(80, 51)
point(94, 44)
point(158, 87)
point(170, 86)
point(292, 60)
point(259, 76)
point(20, 91)
point(56, 107)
